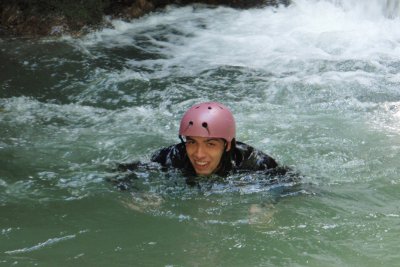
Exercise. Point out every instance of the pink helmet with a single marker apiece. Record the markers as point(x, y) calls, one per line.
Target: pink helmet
point(210, 119)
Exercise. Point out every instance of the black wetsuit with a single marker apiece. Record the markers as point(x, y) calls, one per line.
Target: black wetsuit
point(242, 158)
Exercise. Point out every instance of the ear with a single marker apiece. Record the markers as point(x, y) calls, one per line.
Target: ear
point(228, 146)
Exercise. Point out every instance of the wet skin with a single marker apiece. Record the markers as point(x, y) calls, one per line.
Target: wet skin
point(205, 153)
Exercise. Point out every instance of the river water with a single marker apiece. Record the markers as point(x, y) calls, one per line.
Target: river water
point(315, 85)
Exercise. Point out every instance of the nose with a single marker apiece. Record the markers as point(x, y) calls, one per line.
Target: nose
point(199, 152)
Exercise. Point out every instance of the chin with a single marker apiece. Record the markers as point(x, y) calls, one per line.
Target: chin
point(203, 173)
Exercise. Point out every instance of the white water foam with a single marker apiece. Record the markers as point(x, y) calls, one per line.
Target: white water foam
point(294, 72)
point(39, 246)
point(318, 55)
point(196, 39)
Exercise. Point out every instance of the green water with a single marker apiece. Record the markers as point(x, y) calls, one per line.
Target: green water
point(314, 85)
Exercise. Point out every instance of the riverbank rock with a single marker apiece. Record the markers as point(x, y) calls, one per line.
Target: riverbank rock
point(76, 17)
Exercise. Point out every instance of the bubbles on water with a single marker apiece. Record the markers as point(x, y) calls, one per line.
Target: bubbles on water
point(63, 148)
point(314, 85)
point(189, 41)
point(236, 200)
point(375, 8)
point(392, 9)
point(387, 121)
point(305, 82)
point(41, 245)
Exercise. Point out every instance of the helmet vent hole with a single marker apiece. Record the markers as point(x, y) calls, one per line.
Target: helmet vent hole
point(190, 123)
point(209, 107)
point(205, 125)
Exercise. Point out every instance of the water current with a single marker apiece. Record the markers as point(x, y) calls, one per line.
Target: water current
point(315, 85)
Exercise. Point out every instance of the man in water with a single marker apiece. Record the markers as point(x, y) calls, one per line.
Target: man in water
point(209, 147)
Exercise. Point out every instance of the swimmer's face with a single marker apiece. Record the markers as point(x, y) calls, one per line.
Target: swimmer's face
point(205, 153)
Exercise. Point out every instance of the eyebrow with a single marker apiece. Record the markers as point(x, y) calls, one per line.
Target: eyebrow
point(213, 139)
point(207, 140)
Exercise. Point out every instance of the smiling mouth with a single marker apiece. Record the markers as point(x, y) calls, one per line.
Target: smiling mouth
point(201, 163)
point(202, 167)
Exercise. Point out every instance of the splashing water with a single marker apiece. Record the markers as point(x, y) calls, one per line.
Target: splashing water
point(314, 84)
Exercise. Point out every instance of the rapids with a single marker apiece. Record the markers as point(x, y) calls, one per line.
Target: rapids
point(314, 84)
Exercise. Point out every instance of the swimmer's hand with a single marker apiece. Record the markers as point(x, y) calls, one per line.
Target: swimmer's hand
point(143, 201)
point(261, 215)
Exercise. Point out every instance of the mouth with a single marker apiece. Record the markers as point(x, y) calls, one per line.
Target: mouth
point(201, 164)
point(201, 167)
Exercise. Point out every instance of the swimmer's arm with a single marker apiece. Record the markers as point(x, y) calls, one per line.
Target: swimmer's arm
point(132, 166)
point(137, 165)
point(126, 173)
point(161, 157)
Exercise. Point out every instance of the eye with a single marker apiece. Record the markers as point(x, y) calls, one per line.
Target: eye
point(211, 144)
point(189, 142)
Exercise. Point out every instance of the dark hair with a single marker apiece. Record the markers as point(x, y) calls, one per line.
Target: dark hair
point(227, 160)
